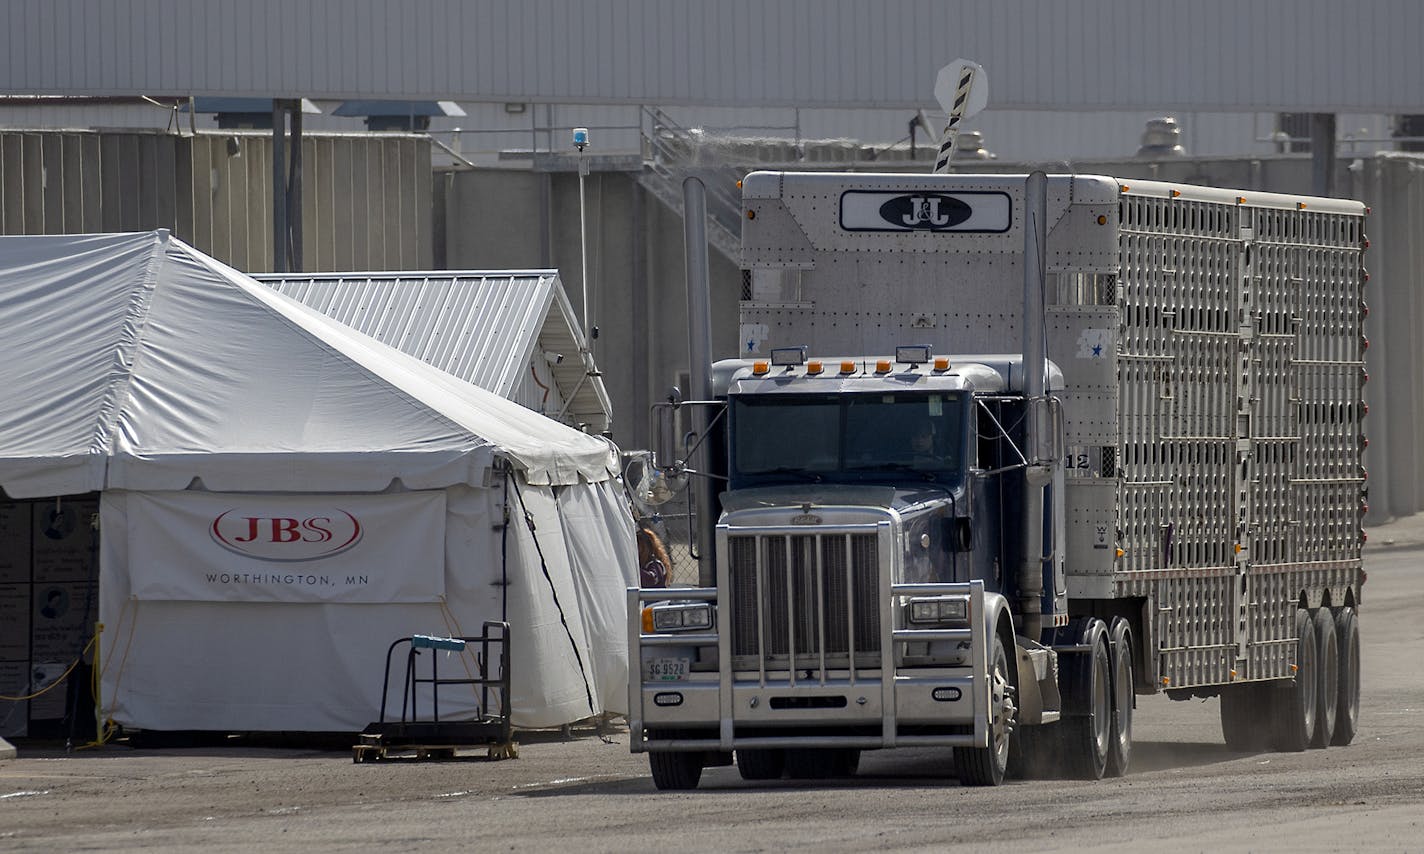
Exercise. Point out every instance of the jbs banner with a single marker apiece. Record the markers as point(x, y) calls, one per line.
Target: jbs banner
point(195, 546)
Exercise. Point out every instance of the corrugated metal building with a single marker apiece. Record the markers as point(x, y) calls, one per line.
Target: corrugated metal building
point(510, 332)
point(1302, 55)
point(366, 202)
point(1067, 80)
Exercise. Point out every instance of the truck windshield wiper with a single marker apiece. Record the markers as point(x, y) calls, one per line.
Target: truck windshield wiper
point(808, 475)
point(926, 474)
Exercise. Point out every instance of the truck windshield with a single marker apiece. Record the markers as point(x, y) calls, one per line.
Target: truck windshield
point(789, 438)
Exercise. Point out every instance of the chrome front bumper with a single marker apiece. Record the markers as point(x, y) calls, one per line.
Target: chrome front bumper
point(809, 707)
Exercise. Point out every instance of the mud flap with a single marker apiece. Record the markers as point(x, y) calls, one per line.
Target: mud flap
point(1038, 698)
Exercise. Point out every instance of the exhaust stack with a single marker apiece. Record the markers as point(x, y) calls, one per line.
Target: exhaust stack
point(699, 337)
point(1039, 471)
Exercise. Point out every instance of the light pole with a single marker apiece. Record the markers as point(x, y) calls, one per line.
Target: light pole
point(581, 142)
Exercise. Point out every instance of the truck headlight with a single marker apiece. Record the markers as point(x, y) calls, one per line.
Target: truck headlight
point(939, 610)
point(681, 618)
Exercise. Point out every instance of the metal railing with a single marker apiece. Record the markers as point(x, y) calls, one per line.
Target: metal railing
point(672, 154)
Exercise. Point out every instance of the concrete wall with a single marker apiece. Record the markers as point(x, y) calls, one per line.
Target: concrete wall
point(502, 219)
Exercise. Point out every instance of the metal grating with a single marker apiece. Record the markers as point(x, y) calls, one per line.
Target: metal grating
point(1241, 374)
point(815, 597)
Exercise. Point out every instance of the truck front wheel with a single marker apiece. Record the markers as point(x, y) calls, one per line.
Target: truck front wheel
point(986, 766)
point(675, 770)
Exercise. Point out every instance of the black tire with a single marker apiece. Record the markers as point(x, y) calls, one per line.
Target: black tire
point(761, 764)
point(810, 763)
point(847, 762)
point(1123, 698)
point(1347, 699)
point(1087, 733)
point(1295, 702)
point(986, 766)
point(1327, 671)
point(675, 770)
point(1246, 716)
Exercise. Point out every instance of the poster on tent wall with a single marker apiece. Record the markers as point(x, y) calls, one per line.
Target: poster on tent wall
point(215, 547)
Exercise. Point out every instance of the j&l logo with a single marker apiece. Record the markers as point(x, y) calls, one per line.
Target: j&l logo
point(933, 211)
point(286, 538)
point(970, 211)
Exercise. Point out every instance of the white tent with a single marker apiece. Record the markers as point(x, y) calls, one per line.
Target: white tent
point(283, 496)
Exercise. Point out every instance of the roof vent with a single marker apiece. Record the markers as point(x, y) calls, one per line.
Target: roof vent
point(1161, 138)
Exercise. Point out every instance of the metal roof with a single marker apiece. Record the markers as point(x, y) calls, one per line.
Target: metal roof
point(487, 327)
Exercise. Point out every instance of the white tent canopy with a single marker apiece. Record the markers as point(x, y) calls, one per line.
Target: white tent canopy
point(136, 362)
point(177, 387)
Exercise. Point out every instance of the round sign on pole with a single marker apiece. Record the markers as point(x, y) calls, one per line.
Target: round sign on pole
point(963, 90)
point(948, 84)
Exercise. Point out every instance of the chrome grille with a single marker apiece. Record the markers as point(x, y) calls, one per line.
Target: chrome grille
point(814, 593)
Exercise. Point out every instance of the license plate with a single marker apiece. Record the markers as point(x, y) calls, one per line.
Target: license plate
point(668, 669)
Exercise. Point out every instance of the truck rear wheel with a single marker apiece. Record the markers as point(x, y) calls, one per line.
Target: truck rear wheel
point(1123, 697)
point(1246, 716)
point(1296, 702)
point(675, 770)
point(1328, 674)
point(986, 766)
point(1087, 734)
point(1347, 700)
point(761, 764)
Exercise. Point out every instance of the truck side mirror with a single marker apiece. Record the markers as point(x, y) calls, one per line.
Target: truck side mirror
point(666, 448)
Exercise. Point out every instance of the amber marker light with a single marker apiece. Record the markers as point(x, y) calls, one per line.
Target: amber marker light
point(814, 366)
point(648, 621)
point(760, 368)
point(1176, 193)
point(1240, 200)
point(882, 366)
point(1102, 219)
point(941, 363)
point(847, 367)
point(751, 214)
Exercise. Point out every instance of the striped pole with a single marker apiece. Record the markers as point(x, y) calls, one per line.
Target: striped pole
point(956, 115)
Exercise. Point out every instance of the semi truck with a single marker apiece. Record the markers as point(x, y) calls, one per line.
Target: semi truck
point(1004, 452)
